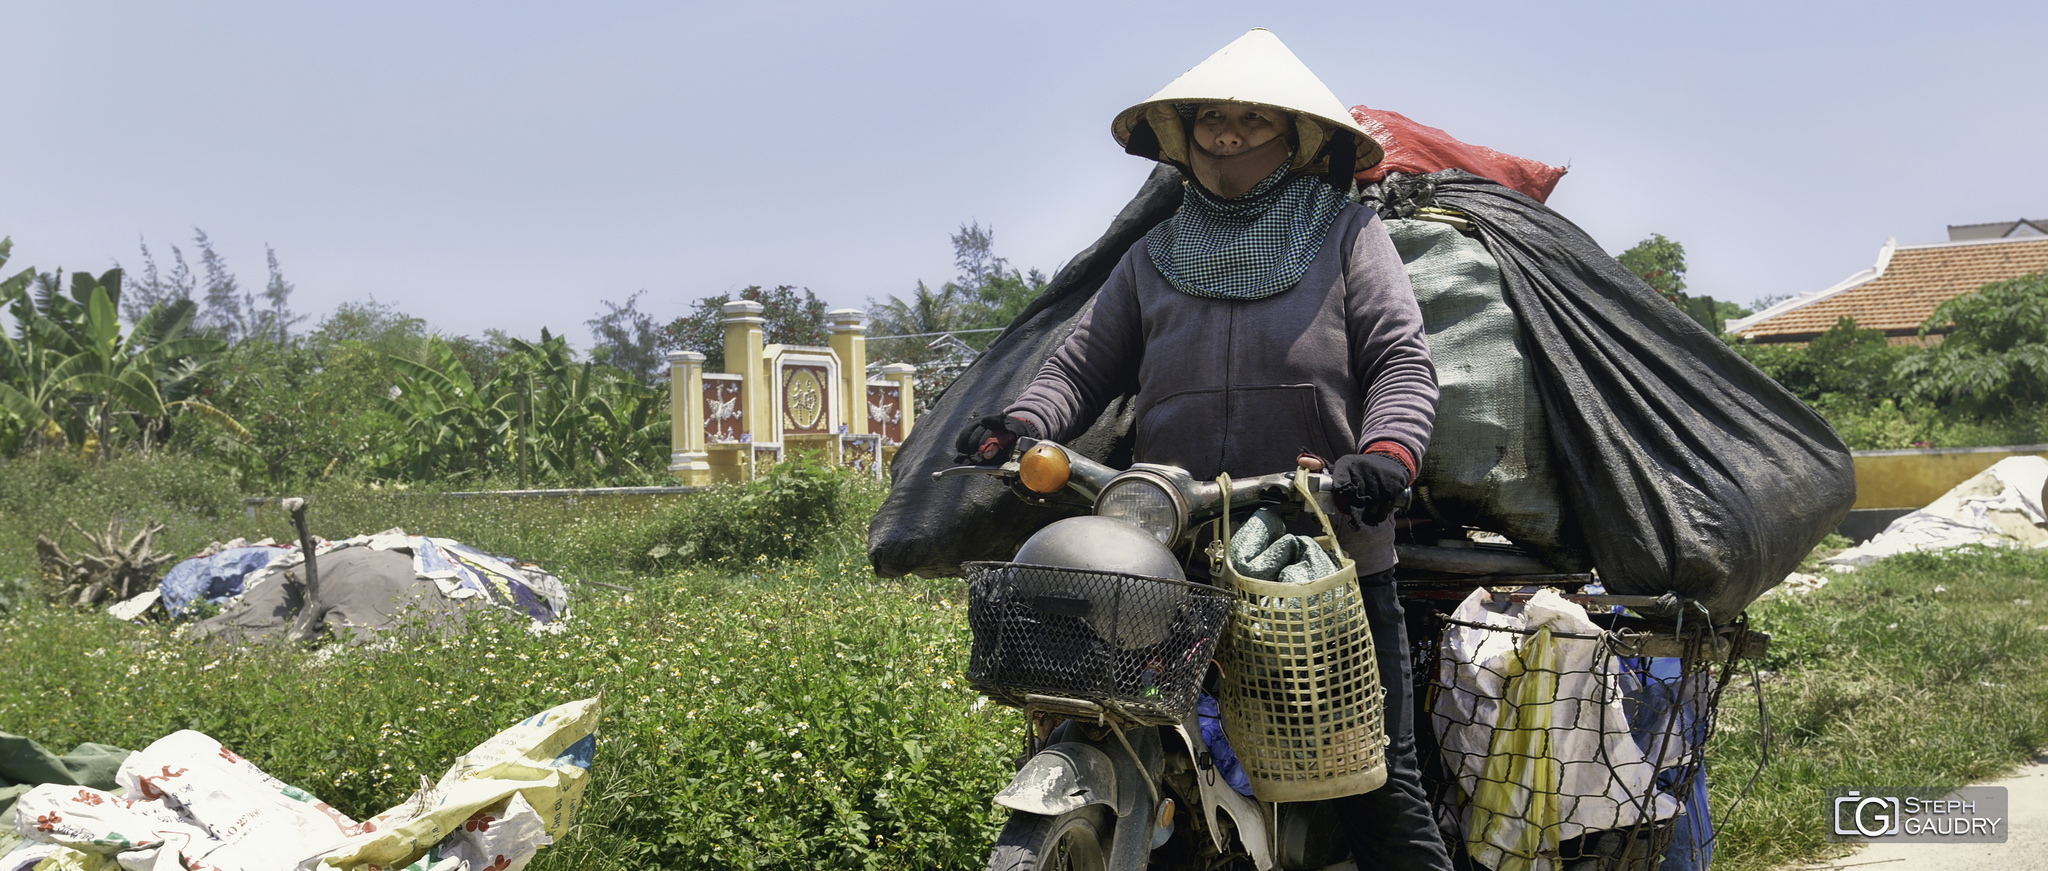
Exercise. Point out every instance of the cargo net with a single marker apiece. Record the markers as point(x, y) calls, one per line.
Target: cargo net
point(1135, 645)
point(1547, 750)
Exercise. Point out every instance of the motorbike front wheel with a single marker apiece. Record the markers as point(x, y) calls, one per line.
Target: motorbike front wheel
point(1077, 840)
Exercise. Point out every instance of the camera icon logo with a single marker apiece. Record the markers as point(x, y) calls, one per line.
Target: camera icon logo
point(1867, 816)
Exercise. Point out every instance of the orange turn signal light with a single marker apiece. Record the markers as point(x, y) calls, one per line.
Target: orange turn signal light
point(1044, 469)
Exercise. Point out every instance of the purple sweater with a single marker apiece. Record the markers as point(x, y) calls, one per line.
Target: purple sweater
point(1329, 366)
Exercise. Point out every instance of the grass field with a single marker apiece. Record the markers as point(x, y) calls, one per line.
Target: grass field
point(799, 712)
point(1923, 670)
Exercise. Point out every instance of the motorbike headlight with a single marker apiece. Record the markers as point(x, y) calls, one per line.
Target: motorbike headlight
point(1145, 502)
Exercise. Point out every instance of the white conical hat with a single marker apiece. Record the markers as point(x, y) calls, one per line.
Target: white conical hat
point(1257, 68)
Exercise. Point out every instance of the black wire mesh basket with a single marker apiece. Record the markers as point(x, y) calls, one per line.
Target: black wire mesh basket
point(1135, 645)
point(1535, 759)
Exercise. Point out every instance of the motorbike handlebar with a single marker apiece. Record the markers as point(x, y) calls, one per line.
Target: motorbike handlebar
point(1088, 478)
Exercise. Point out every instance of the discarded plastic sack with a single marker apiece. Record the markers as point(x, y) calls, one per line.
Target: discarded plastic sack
point(188, 802)
point(1419, 149)
point(214, 579)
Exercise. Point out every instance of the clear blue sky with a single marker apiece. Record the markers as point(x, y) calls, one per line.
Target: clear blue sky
point(509, 164)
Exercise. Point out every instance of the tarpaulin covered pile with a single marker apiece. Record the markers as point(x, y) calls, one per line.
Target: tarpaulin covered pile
point(1664, 459)
point(367, 583)
point(187, 802)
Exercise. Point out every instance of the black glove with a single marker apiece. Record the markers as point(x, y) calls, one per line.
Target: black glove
point(1368, 485)
point(988, 440)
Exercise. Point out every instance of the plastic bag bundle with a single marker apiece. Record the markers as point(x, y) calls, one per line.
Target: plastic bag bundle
point(1415, 149)
point(1687, 469)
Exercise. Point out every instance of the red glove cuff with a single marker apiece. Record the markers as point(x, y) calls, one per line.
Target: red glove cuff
point(1400, 454)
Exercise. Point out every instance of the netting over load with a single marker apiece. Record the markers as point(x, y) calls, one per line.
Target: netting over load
point(1134, 644)
point(1553, 750)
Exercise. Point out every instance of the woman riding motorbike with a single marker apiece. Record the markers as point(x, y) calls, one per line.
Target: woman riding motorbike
point(1268, 318)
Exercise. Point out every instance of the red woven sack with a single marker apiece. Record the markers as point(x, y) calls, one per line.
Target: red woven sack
point(1418, 149)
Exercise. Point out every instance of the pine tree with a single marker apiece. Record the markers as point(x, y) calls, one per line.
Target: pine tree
point(225, 302)
point(277, 320)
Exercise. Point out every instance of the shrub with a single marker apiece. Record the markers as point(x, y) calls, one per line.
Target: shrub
point(195, 500)
point(785, 514)
point(1846, 362)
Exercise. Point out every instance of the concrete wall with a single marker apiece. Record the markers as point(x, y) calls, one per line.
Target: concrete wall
point(637, 498)
point(1914, 477)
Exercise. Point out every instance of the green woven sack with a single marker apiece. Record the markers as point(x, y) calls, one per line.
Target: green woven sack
point(1489, 461)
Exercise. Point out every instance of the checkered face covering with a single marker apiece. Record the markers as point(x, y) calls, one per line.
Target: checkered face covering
point(1248, 247)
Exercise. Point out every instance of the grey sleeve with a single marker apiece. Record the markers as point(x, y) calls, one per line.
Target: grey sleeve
point(1097, 363)
point(1388, 354)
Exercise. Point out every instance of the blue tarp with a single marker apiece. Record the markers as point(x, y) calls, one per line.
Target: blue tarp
point(1665, 693)
point(212, 579)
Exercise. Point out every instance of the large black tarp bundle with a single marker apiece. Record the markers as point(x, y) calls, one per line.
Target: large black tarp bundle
point(929, 527)
point(1690, 470)
point(1685, 469)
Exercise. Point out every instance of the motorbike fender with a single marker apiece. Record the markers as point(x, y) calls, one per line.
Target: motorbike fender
point(1061, 778)
point(1218, 799)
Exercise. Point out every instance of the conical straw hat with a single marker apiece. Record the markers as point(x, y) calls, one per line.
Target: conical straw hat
point(1256, 68)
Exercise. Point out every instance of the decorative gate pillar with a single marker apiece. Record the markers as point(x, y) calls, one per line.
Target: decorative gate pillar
point(850, 345)
point(743, 343)
point(905, 376)
point(892, 405)
point(745, 384)
point(688, 460)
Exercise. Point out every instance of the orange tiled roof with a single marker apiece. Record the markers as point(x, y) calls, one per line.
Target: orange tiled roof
point(1915, 281)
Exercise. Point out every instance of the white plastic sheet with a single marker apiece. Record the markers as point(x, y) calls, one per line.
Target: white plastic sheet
point(2001, 506)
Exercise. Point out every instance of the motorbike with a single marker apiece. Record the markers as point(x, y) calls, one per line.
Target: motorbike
point(1095, 633)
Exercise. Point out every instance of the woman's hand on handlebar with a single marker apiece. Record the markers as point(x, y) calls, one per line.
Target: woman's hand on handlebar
point(1368, 486)
point(988, 441)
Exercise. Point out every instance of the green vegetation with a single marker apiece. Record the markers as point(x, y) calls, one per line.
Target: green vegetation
point(369, 394)
point(792, 319)
point(1923, 670)
point(796, 711)
point(942, 330)
point(791, 712)
point(1995, 355)
point(70, 376)
point(1985, 382)
point(1660, 263)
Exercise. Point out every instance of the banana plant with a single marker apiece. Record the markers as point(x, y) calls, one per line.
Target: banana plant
point(449, 425)
point(70, 374)
point(575, 421)
point(543, 415)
